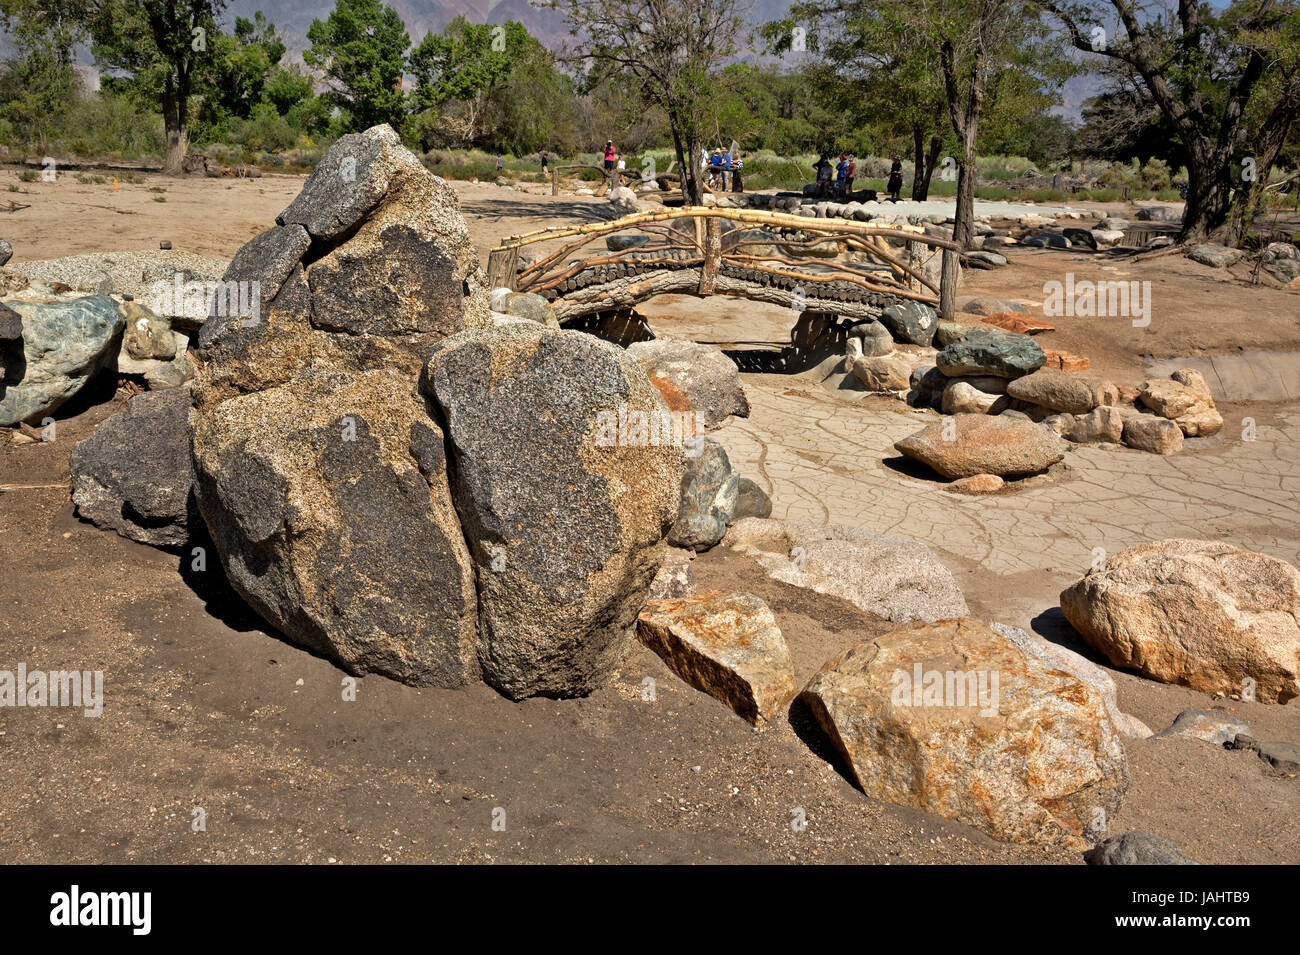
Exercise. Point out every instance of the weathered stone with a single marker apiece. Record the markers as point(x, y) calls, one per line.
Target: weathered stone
point(1215, 256)
point(965, 444)
point(565, 508)
point(675, 577)
point(147, 336)
point(1055, 655)
point(64, 345)
point(350, 179)
point(751, 500)
point(962, 397)
point(952, 718)
point(6, 251)
point(693, 378)
point(874, 338)
point(133, 474)
point(726, 645)
point(1156, 435)
point(891, 577)
point(1099, 426)
point(912, 322)
point(1196, 613)
point(1186, 402)
point(1136, 848)
point(985, 259)
point(620, 243)
point(990, 306)
point(1054, 389)
point(531, 306)
point(887, 373)
point(978, 484)
point(992, 352)
point(1281, 755)
point(710, 487)
point(328, 500)
point(1018, 323)
point(1216, 728)
point(1113, 224)
point(267, 260)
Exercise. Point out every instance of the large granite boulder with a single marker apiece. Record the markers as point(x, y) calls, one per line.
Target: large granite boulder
point(954, 719)
point(329, 503)
point(133, 474)
point(991, 352)
point(710, 490)
point(1055, 389)
point(892, 577)
point(563, 497)
point(693, 378)
point(968, 444)
point(368, 267)
point(64, 344)
point(1202, 614)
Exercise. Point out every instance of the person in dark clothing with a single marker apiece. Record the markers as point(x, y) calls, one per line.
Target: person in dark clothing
point(895, 185)
point(543, 164)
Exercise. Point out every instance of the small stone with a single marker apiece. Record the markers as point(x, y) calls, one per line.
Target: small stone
point(1136, 848)
point(1152, 434)
point(978, 484)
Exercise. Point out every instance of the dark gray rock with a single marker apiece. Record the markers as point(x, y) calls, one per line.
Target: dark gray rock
point(693, 377)
point(268, 259)
point(530, 306)
point(133, 474)
point(1217, 728)
point(1215, 256)
point(328, 501)
point(562, 496)
point(11, 341)
point(6, 252)
point(710, 487)
point(1081, 237)
point(981, 259)
point(751, 501)
point(1282, 756)
point(1136, 848)
point(64, 345)
point(913, 322)
point(351, 178)
point(1159, 213)
point(1004, 354)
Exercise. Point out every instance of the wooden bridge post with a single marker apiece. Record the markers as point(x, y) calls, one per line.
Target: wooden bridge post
point(503, 268)
point(555, 182)
point(712, 254)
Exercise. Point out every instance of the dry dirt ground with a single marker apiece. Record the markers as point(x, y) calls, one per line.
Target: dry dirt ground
point(206, 710)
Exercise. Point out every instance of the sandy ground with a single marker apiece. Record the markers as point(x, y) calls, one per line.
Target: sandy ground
point(206, 709)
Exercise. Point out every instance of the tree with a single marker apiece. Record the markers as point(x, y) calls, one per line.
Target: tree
point(669, 51)
point(164, 46)
point(361, 50)
point(1211, 74)
point(40, 80)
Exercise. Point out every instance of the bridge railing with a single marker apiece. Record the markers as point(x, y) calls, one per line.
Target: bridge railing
point(692, 237)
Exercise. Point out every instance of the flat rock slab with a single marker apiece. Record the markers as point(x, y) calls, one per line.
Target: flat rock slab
point(952, 718)
point(1217, 728)
point(725, 645)
point(1202, 614)
point(891, 577)
point(1136, 848)
point(964, 445)
point(1244, 376)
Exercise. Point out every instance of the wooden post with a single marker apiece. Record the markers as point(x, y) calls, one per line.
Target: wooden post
point(503, 268)
point(712, 255)
point(555, 181)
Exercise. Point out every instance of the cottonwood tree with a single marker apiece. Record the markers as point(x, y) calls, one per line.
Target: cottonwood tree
point(668, 51)
point(360, 48)
point(165, 46)
point(1227, 81)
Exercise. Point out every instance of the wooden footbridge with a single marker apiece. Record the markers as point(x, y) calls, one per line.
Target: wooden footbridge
point(774, 257)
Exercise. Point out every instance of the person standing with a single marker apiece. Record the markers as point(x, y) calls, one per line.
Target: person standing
point(610, 154)
point(823, 170)
point(543, 164)
point(850, 169)
point(895, 184)
point(841, 174)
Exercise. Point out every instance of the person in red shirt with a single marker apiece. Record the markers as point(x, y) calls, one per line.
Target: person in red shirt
point(850, 171)
point(610, 155)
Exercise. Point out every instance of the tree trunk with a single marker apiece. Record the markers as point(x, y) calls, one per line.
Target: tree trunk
point(685, 147)
point(1209, 195)
point(918, 162)
point(921, 190)
point(178, 135)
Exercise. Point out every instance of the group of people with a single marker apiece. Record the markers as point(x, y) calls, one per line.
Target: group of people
point(722, 169)
point(843, 172)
